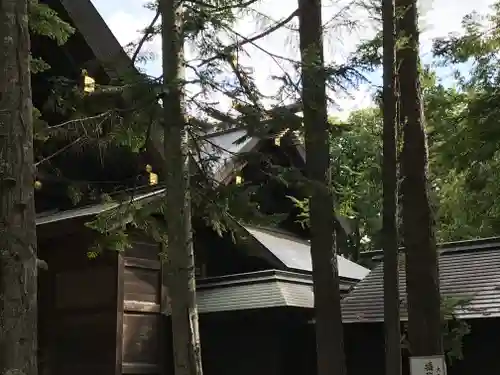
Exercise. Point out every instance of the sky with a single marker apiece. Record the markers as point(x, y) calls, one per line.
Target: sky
point(126, 19)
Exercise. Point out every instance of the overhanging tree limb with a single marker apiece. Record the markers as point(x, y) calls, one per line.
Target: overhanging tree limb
point(228, 49)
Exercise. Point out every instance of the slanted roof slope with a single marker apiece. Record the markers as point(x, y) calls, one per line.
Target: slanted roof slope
point(466, 272)
point(106, 48)
point(296, 253)
point(96, 209)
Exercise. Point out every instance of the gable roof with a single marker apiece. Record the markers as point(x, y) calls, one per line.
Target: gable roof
point(223, 149)
point(226, 147)
point(290, 252)
point(110, 54)
point(100, 39)
point(468, 270)
point(295, 253)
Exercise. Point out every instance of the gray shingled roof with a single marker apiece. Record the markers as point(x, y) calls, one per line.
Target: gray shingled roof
point(249, 291)
point(256, 290)
point(470, 270)
point(296, 253)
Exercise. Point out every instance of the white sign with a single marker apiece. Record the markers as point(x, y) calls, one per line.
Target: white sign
point(430, 365)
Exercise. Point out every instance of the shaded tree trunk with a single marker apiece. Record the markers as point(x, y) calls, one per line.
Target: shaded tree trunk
point(329, 332)
point(179, 255)
point(18, 262)
point(424, 317)
point(390, 195)
point(356, 239)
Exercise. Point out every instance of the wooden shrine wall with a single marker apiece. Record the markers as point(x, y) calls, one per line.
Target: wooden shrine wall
point(146, 347)
point(78, 318)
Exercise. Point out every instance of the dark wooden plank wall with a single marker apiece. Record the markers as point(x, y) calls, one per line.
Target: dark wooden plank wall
point(254, 342)
point(78, 308)
point(145, 333)
point(147, 343)
point(219, 256)
point(231, 344)
point(107, 316)
point(243, 349)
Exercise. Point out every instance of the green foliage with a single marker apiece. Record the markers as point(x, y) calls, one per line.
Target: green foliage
point(467, 136)
point(115, 240)
point(303, 206)
point(454, 329)
point(113, 224)
point(464, 137)
point(46, 22)
point(38, 125)
point(356, 175)
point(368, 54)
point(37, 65)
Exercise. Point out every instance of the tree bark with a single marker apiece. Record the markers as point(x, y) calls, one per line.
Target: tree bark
point(390, 195)
point(422, 277)
point(18, 262)
point(179, 255)
point(329, 331)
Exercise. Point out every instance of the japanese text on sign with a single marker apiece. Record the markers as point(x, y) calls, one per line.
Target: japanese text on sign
point(431, 365)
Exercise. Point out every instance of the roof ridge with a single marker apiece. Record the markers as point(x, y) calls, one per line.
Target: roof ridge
point(282, 232)
point(218, 133)
point(479, 244)
point(465, 245)
point(289, 236)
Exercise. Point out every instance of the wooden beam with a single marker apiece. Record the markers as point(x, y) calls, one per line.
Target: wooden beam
point(120, 267)
point(166, 348)
point(98, 36)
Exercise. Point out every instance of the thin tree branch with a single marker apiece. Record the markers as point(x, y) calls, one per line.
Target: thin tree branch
point(147, 33)
point(252, 39)
point(60, 151)
point(224, 8)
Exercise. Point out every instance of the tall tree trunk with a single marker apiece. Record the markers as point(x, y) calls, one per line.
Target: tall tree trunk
point(179, 256)
point(390, 195)
point(329, 332)
point(18, 262)
point(424, 317)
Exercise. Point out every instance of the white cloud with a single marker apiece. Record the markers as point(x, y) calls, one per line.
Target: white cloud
point(445, 16)
point(347, 103)
point(439, 17)
point(125, 26)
